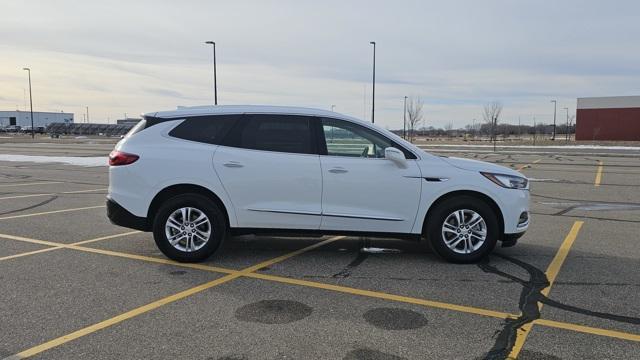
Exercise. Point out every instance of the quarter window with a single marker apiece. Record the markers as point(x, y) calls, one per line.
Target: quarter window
point(205, 129)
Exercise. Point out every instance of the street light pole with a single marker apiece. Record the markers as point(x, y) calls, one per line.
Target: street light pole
point(404, 120)
point(495, 123)
point(215, 78)
point(33, 134)
point(555, 105)
point(473, 128)
point(566, 135)
point(373, 97)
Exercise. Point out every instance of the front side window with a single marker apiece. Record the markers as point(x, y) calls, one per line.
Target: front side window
point(281, 133)
point(344, 138)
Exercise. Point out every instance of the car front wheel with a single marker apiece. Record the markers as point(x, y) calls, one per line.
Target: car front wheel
point(189, 228)
point(463, 229)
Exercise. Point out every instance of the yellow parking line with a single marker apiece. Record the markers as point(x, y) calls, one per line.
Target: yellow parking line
point(9, 257)
point(381, 295)
point(598, 179)
point(367, 293)
point(248, 272)
point(51, 212)
point(522, 167)
point(51, 194)
point(588, 329)
point(33, 183)
point(552, 273)
point(56, 246)
point(158, 303)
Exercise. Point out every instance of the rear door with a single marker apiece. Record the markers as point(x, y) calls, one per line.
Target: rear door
point(270, 168)
point(363, 191)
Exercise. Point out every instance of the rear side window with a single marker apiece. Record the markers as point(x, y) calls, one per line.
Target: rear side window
point(205, 129)
point(281, 133)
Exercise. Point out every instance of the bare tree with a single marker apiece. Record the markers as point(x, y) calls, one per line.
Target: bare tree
point(414, 114)
point(490, 114)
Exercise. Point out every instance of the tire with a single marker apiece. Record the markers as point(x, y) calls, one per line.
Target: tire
point(465, 245)
point(190, 247)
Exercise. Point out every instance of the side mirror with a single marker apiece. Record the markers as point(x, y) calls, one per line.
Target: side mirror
point(396, 156)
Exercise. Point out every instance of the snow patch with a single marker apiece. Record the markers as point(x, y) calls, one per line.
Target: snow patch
point(70, 160)
point(375, 250)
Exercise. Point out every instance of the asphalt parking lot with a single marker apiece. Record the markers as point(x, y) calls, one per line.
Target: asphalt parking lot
point(75, 286)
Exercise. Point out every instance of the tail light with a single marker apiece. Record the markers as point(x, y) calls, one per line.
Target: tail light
point(117, 158)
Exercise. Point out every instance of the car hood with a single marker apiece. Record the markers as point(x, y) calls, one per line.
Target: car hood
point(475, 165)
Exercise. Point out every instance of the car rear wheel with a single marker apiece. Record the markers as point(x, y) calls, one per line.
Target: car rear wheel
point(189, 228)
point(463, 229)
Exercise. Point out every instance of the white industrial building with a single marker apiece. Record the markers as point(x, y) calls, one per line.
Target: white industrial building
point(23, 118)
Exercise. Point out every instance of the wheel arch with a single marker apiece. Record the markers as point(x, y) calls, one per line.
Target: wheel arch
point(179, 189)
point(478, 195)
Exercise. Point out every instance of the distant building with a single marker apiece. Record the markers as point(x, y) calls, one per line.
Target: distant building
point(608, 118)
point(23, 118)
point(128, 121)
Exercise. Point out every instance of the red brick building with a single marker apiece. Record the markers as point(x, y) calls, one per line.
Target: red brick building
point(608, 118)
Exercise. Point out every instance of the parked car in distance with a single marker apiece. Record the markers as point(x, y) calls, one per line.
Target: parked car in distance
point(195, 175)
point(12, 129)
point(36, 129)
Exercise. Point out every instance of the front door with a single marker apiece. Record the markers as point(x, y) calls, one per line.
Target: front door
point(363, 191)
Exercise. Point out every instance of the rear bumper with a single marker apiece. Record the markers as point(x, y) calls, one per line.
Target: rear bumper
point(122, 217)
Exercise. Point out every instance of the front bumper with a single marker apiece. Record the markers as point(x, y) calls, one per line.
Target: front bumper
point(122, 217)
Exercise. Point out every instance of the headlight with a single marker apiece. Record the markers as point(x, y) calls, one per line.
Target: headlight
point(507, 181)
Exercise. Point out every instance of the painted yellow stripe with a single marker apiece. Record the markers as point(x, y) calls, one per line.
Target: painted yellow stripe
point(9, 257)
point(522, 167)
point(292, 254)
point(552, 273)
point(158, 303)
point(248, 272)
point(598, 179)
point(31, 184)
point(385, 296)
point(51, 212)
point(588, 330)
point(122, 317)
point(56, 246)
point(51, 194)
point(561, 255)
point(343, 289)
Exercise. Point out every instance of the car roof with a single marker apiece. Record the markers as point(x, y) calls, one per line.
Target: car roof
point(245, 109)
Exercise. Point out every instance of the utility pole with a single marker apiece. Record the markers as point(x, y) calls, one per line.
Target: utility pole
point(519, 129)
point(87, 114)
point(215, 80)
point(373, 96)
point(33, 134)
point(555, 105)
point(404, 120)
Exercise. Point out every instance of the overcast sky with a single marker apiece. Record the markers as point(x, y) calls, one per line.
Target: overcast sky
point(141, 56)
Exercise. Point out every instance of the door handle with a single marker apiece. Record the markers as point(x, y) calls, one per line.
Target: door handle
point(338, 170)
point(233, 164)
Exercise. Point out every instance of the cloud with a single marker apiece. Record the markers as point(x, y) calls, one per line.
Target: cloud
point(123, 56)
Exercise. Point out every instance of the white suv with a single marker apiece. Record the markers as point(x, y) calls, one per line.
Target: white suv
point(195, 175)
